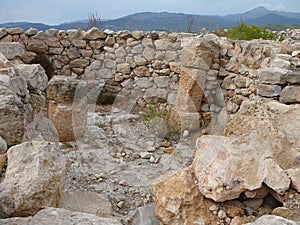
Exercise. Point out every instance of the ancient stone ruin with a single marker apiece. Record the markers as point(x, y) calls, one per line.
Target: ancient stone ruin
point(148, 128)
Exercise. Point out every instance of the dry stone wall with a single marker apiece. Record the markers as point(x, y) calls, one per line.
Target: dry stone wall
point(196, 73)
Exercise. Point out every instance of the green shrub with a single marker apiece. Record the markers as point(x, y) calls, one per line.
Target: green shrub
point(245, 32)
point(159, 123)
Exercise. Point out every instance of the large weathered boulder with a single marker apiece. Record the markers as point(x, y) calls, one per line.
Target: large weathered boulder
point(34, 75)
point(56, 216)
point(12, 50)
point(12, 113)
point(262, 146)
point(33, 179)
point(67, 106)
point(178, 200)
point(41, 129)
point(274, 220)
point(225, 167)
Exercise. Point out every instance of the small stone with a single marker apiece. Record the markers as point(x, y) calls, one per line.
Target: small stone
point(120, 204)
point(151, 149)
point(152, 159)
point(185, 133)
point(170, 150)
point(165, 144)
point(222, 214)
point(213, 208)
point(145, 155)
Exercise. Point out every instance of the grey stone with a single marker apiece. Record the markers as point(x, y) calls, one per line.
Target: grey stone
point(3, 32)
point(40, 129)
point(3, 145)
point(137, 34)
point(93, 34)
point(269, 90)
point(15, 30)
point(33, 179)
point(31, 31)
point(34, 75)
point(145, 216)
point(273, 220)
point(12, 114)
point(162, 81)
point(36, 45)
point(163, 44)
point(12, 50)
point(290, 94)
point(293, 78)
point(57, 216)
point(87, 202)
point(273, 75)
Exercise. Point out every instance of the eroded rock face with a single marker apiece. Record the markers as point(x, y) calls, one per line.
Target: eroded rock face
point(33, 179)
point(60, 216)
point(11, 116)
point(178, 200)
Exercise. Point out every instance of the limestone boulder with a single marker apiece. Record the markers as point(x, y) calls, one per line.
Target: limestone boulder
point(191, 89)
point(41, 129)
point(4, 63)
point(274, 220)
point(58, 216)
point(290, 94)
point(178, 200)
point(12, 50)
point(64, 89)
point(145, 216)
point(12, 115)
point(94, 34)
point(36, 45)
point(273, 75)
point(262, 146)
point(196, 53)
point(68, 106)
point(3, 145)
point(34, 75)
point(33, 179)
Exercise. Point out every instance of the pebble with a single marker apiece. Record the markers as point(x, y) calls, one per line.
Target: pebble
point(222, 214)
point(213, 208)
point(151, 149)
point(145, 155)
point(152, 159)
point(120, 204)
point(185, 133)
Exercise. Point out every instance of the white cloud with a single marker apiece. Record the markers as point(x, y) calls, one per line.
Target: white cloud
point(280, 7)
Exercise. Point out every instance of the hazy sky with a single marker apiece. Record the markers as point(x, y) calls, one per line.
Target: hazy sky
point(58, 11)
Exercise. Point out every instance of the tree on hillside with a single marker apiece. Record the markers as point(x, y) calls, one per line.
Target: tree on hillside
point(245, 32)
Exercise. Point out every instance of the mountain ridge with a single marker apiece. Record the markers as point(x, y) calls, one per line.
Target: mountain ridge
point(176, 21)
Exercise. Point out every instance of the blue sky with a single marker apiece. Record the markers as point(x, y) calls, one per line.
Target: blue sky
point(58, 11)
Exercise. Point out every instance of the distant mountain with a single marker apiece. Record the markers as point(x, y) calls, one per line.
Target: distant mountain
point(178, 21)
point(26, 25)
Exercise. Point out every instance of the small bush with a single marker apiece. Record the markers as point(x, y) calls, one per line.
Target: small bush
point(245, 32)
point(158, 122)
